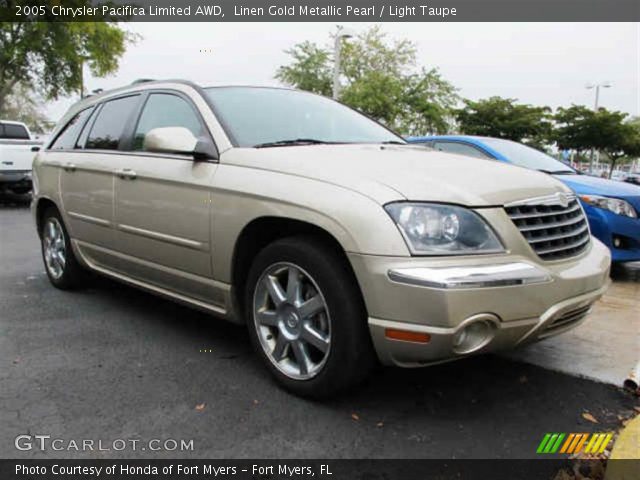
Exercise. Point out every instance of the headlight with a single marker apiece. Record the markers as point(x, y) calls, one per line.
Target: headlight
point(615, 205)
point(434, 229)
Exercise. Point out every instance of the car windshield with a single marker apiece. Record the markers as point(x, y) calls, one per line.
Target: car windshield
point(279, 117)
point(528, 157)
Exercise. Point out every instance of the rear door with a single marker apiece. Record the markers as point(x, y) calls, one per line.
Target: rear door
point(87, 176)
point(163, 203)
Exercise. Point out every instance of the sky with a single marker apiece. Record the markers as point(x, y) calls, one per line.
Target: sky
point(536, 63)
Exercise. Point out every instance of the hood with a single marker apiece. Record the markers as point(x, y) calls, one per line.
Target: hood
point(400, 172)
point(588, 185)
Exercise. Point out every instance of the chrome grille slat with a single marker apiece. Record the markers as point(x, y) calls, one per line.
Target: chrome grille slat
point(578, 243)
point(522, 216)
point(546, 238)
point(553, 231)
point(543, 226)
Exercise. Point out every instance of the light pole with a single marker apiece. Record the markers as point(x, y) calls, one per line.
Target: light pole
point(337, 45)
point(597, 86)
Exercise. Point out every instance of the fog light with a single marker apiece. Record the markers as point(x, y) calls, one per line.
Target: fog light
point(617, 242)
point(476, 332)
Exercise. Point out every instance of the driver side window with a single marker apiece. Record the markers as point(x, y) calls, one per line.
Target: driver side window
point(165, 110)
point(460, 149)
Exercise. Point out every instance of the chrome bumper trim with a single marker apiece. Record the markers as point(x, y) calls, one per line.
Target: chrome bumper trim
point(480, 276)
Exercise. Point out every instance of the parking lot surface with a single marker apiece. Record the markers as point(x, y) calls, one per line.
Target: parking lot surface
point(110, 362)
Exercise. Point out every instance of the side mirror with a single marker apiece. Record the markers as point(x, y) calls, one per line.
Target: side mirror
point(179, 140)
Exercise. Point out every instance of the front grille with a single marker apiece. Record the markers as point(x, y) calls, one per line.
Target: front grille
point(553, 231)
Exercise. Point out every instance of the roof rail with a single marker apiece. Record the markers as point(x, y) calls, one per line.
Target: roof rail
point(142, 80)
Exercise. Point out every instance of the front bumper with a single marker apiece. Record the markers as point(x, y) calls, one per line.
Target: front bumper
point(15, 180)
point(501, 302)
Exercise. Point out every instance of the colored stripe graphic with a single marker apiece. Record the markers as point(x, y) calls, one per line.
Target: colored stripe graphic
point(550, 443)
point(574, 443)
point(544, 441)
point(567, 443)
point(580, 443)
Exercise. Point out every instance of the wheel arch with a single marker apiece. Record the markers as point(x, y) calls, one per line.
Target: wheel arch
point(42, 204)
point(262, 231)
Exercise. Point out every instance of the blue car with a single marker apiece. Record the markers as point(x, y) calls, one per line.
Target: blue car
point(612, 207)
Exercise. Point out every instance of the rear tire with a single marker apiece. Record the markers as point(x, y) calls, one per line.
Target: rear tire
point(60, 263)
point(307, 319)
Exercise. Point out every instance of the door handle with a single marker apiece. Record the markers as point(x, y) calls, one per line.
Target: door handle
point(69, 167)
point(126, 173)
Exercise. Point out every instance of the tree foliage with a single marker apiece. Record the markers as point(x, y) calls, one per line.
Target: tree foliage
point(48, 56)
point(504, 118)
point(380, 78)
point(580, 128)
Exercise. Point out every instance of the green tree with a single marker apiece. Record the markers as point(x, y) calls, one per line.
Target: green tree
point(48, 57)
point(574, 128)
point(311, 68)
point(380, 78)
point(580, 128)
point(504, 118)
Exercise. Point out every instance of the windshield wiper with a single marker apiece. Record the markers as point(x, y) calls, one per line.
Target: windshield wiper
point(296, 141)
point(393, 142)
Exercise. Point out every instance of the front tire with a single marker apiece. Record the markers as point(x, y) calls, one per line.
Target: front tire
point(60, 263)
point(307, 319)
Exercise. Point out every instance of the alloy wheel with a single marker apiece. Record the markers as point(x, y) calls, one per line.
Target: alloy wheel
point(292, 320)
point(55, 252)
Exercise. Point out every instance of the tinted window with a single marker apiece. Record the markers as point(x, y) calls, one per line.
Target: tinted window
point(460, 149)
point(108, 127)
point(13, 132)
point(166, 110)
point(527, 157)
point(68, 135)
point(262, 115)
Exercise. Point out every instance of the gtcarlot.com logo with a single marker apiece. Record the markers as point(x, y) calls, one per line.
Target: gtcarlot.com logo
point(574, 442)
point(46, 442)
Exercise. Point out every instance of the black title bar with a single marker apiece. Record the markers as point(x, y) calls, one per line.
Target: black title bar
point(532, 469)
point(324, 11)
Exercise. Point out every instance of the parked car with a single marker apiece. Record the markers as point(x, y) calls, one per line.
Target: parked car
point(612, 207)
point(17, 149)
point(633, 178)
point(334, 241)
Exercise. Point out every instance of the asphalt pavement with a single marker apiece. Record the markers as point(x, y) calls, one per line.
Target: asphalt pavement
point(111, 362)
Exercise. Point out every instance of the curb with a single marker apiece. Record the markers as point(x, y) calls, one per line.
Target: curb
point(627, 447)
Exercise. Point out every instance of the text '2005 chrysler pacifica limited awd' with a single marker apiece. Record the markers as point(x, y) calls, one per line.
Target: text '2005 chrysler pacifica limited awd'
point(337, 244)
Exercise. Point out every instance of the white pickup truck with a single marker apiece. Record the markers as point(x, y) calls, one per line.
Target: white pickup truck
point(17, 150)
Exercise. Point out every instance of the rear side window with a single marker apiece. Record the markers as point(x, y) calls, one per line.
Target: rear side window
point(13, 132)
point(166, 110)
point(460, 149)
point(67, 137)
point(110, 124)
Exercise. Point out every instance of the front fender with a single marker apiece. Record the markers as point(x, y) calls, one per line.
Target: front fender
point(241, 195)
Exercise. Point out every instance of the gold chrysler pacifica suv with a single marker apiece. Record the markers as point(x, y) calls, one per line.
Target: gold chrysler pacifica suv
point(335, 242)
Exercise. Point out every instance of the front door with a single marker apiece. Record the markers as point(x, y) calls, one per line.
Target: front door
point(163, 204)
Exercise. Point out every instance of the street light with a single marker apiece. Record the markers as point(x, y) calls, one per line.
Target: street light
point(597, 86)
point(337, 45)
